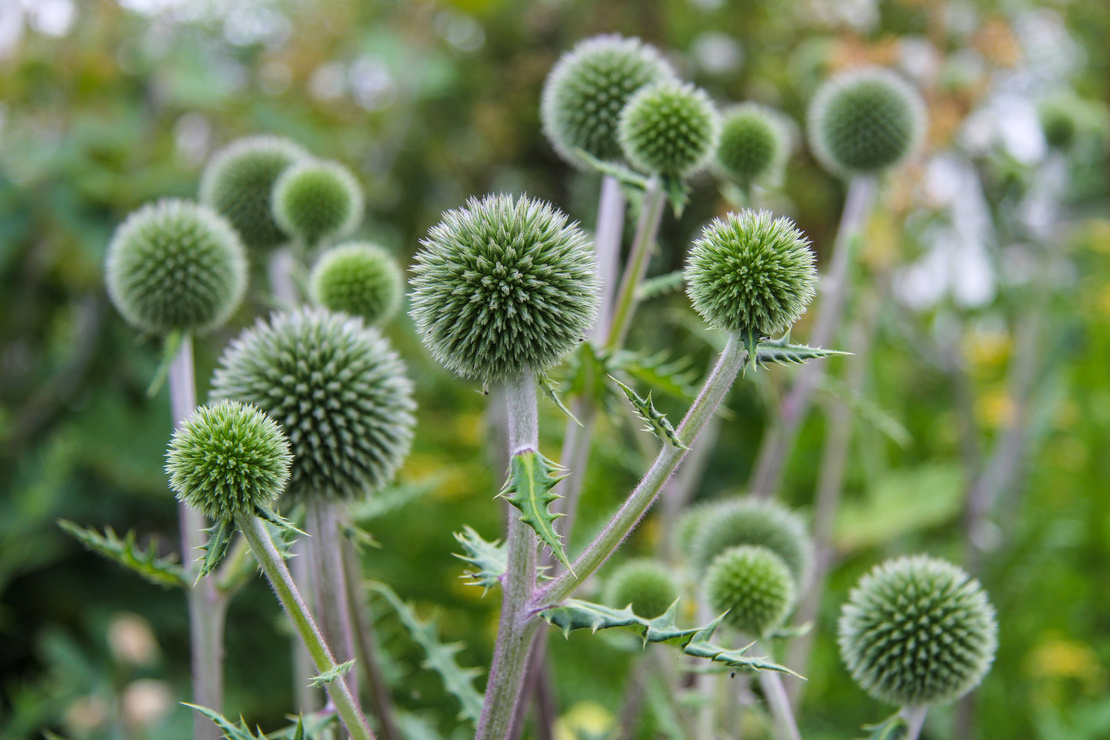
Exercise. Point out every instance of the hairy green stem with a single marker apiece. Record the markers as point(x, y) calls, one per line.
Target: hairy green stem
point(607, 245)
point(915, 718)
point(647, 229)
point(273, 565)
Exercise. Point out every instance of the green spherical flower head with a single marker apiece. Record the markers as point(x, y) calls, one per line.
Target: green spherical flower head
point(239, 183)
point(753, 144)
point(1065, 117)
point(646, 585)
point(360, 279)
point(752, 521)
point(316, 200)
point(669, 129)
point(916, 631)
point(175, 265)
point(502, 285)
point(865, 121)
point(751, 273)
point(754, 585)
point(338, 389)
point(586, 91)
point(688, 527)
point(228, 459)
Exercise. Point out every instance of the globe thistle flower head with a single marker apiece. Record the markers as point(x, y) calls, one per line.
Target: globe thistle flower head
point(239, 182)
point(916, 631)
point(1065, 117)
point(502, 285)
point(587, 89)
point(645, 585)
point(751, 521)
point(228, 459)
point(359, 279)
point(691, 522)
point(669, 129)
point(754, 586)
point(751, 273)
point(338, 389)
point(865, 121)
point(753, 144)
point(175, 265)
point(316, 200)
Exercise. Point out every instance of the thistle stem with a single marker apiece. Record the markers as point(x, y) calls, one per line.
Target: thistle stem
point(273, 565)
point(647, 229)
point(607, 244)
point(915, 718)
point(207, 605)
point(777, 699)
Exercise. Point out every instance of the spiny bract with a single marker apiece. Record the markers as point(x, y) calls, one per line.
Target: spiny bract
point(587, 89)
point(360, 279)
point(750, 521)
point(646, 585)
point(751, 273)
point(753, 585)
point(864, 121)
point(228, 459)
point(753, 144)
point(338, 389)
point(316, 200)
point(916, 631)
point(669, 129)
point(239, 182)
point(175, 264)
point(502, 285)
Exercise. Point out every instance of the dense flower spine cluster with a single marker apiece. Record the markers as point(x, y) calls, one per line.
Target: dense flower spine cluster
point(670, 129)
point(753, 144)
point(316, 200)
point(645, 585)
point(752, 521)
point(360, 279)
point(753, 585)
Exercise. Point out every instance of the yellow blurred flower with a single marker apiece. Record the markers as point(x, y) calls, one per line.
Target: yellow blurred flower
point(994, 408)
point(586, 719)
point(1061, 658)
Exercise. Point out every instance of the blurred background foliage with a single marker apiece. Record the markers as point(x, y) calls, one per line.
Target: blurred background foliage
point(984, 298)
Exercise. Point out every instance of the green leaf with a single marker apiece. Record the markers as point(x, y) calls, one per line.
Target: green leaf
point(900, 502)
point(314, 726)
point(219, 538)
point(160, 571)
point(440, 657)
point(676, 378)
point(328, 676)
point(892, 728)
point(488, 558)
point(528, 488)
point(283, 525)
point(230, 731)
point(170, 345)
point(656, 420)
point(660, 285)
point(549, 390)
point(623, 174)
point(867, 410)
point(678, 193)
point(782, 352)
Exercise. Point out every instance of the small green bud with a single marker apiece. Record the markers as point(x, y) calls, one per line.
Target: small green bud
point(338, 389)
point(360, 279)
point(239, 182)
point(645, 585)
point(502, 285)
point(751, 521)
point(587, 89)
point(669, 129)
point(316, 200)
point(865, 121)
point(916, 631)
point(753, 144)
point(228, 459)
point(175, 265)
point(751, 273)
point(753, 585)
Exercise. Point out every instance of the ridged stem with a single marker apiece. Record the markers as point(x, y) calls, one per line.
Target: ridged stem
point(647, 229)
point(273, 565)
point(777, 699)
point(915, 718)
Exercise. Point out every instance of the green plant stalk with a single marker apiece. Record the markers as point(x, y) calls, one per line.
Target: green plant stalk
point(607, 244)
point(779, 702)
point(647, 229)
point(272, 564)
point(915, 718)
point(207, 605)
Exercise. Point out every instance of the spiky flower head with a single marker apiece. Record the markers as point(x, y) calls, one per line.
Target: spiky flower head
point(751, 273)
point(316, 200)
point(753, 144)
point(864, 121)
point(646, 585)
point(338, 389)
point(502, 285)
point(689, 525)
point(917, 630)
point(748, 520)
point(669, 129)
point(754, 585)
point(239, 182)
point(228, 459)
point(173, 265)
point(587, 89)
point(360, 279)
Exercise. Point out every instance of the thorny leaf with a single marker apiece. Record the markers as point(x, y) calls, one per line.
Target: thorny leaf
point(528, 488)
point(164, 572)
point(488, 558)
point(657, 422)
point(215, 547)
point(328, 676)
point(549, 390)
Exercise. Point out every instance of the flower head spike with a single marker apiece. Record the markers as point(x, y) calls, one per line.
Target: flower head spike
point(239, 182)
point(502, 285)
point(752, 521)
point(646, 585)
point(228, 459)
point(587, 89)
point(755, 587)
point(338, 389)
point(360, 279)
point(916, 631)
point(316, 200)
point(751, 273)
point(865, 121)
point(175, 265)
point(669, 129)
point(753, 144)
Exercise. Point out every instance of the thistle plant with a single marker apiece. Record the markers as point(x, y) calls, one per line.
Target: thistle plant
point(359, 279)
point(669, 129)
point(753, 146)
point(750, 521)
point(646, 586)
point(315, 201)
point(752, 586)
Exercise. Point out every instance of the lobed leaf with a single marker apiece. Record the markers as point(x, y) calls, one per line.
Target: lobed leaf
point(215, 547)
point(328, 676)
point(867, 410)
point(657, 422)
point(782, 352)
point(549, 390)
point(528, 488)
point(676, 378)
point(159, 571)
point(230, 731)
point(490, 559)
